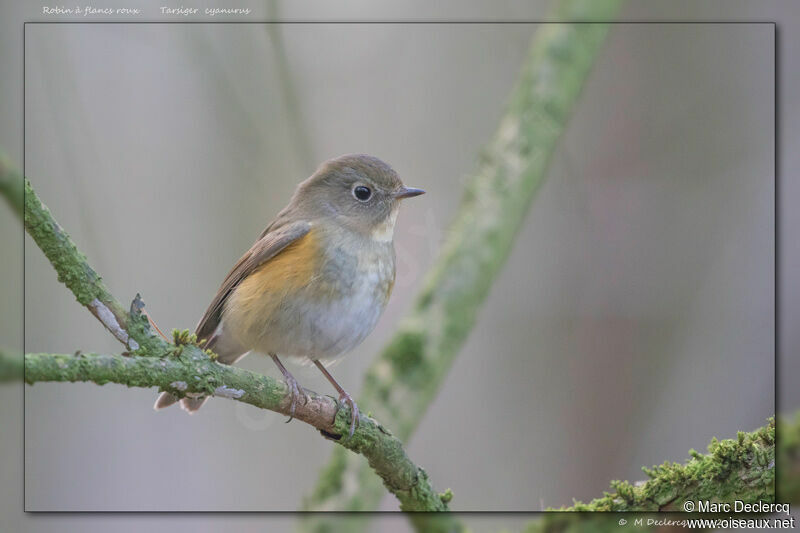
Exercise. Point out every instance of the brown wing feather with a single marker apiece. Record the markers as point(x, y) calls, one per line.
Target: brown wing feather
point(270, 244)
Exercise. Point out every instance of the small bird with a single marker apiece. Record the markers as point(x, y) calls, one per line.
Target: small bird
point(317, 279)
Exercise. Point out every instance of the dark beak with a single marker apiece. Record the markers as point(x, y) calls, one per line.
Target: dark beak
point(407, 192)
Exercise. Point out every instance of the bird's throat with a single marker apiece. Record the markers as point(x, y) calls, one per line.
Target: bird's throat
point(384, 232)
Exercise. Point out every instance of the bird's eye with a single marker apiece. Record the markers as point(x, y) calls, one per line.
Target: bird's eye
point(362, 193)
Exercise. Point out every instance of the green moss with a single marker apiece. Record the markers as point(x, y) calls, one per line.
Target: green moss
point(757, 442)
point(741, 468)
point(185, 337)
point(69, 263)
point(181, 337)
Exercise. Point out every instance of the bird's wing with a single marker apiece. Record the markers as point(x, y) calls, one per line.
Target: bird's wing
point(265, 248)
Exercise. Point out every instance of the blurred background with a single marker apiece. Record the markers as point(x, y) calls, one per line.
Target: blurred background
point(633, 321)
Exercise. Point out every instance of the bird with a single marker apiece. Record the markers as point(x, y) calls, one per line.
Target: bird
point(317, 279)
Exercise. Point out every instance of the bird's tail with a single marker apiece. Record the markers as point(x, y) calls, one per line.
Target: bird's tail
point(191, 405)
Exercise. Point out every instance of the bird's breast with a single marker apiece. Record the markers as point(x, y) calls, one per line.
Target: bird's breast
point(318, 298)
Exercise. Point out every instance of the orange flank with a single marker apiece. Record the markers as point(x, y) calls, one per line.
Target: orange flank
point(261, 293)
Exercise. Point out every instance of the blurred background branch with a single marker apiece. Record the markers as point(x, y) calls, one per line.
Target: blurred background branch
point(11, 368)
point(403, 381)
point(11, 186)
point(302, 143)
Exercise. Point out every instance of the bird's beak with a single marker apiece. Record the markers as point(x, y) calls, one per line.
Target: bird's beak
point(407, 192)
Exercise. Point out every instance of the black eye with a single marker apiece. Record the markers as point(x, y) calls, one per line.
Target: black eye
point(362, 193)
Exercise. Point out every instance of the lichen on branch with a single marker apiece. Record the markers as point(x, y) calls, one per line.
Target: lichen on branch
point(74, 271)
point(188, 370)
point(733, 469)
point(742, 469)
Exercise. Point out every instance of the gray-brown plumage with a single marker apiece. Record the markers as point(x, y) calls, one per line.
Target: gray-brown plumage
point(318, 278)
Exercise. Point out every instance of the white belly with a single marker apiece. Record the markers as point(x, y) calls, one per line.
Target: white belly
point(305, 325)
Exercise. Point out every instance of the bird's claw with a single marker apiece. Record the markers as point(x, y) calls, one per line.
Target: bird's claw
point(296, 390)
point(346, 399)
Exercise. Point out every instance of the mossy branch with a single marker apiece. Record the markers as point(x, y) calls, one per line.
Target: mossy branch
point(188, 370)
point(185, 368)
point(131, 329)
point(746, 468)
point(401, 383)
point(733, 469)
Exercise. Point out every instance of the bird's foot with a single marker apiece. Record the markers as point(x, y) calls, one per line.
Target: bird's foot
point(296, 391)
point(346, 399)
point(294, 388)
